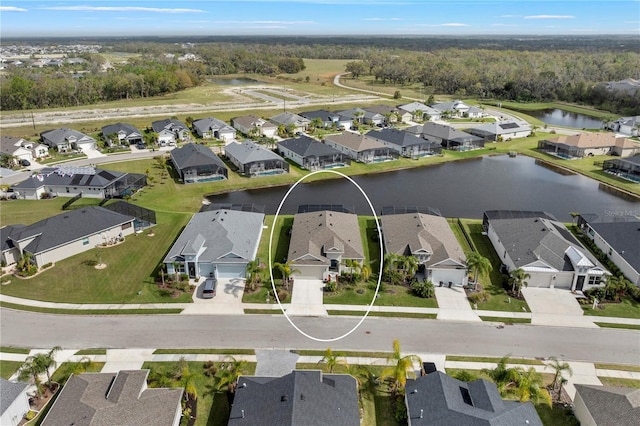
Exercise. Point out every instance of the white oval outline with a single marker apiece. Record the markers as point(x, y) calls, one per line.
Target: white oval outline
point(273, 285)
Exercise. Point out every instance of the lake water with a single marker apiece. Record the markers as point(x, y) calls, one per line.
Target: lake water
point(234, 81)
point(457, 189)
point(559, 117)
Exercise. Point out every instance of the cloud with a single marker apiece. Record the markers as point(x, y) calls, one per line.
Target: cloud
point(122, 9)
point(382, 19)
point(452, 24)
point(550, 17)
point(12, 9)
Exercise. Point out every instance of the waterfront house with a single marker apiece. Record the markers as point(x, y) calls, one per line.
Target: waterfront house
point(589, 144)
point(361, 148)
point(311, 154)
point(405, 144)
point(213, 128)
point(625, 168)
point(253, 160)
point(628, 126)
point(451, 138)
point(122, 133)
point(197, 163)
point(501, 131)
point(298, 123)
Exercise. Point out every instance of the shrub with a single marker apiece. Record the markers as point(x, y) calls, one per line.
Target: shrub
point(184, 277)
point(424, 289)
point(481, 296)
point(595, 293)
point(165, 292)
point(465, 376)
point(331, 286)
point(47, 265)
point(282, 295)
point(45, 195)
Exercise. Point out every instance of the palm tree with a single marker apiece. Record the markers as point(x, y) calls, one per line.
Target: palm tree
point(402, 368)
point(409, 265)
point(285, 271)
point(229, 376)
point(332, 360)
point(32, 369)
point(365, 273)
point(48, 361)
point(390, 264)
point(558, 378)
point(353, 265)
point(188, 382)
point(83, 365)
point(517, 279)
point(479, 265)
point(502, 376)
point(528, 387)
point(253, 273)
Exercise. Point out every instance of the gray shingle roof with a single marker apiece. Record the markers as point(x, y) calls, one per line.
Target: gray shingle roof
point(212, 124)
point(611, 405)
point(355, 141)
point(314, 233)
point(445, 132)
point(220, 233)
point(398, 137)
point(169, 123)
point(67, 227)
point(440, 400)
point(417, 106)
point(128, 129)
point(324, 115)
point(306, 146)
point(250, 121)
point(9, 392)
point(62, 135)
point(107, 399)
point(406, 233)
point(288, 118)
point(307, 398)
point(193, 155)
point(7, 231)
point(500, 128)
point(624, 237)
point(248, 152)
point(70, 176)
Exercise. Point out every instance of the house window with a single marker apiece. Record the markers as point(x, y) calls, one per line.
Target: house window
point(594, 279)
point(126, 225)
point(85, 241)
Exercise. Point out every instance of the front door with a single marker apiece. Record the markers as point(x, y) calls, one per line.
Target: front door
point(192, 269)
point(580, 283)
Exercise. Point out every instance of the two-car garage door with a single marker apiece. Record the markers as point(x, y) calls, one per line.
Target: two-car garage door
point(309, 272)
point(225, 270)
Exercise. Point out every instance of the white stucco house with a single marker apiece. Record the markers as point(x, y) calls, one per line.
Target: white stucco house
point(14, 402)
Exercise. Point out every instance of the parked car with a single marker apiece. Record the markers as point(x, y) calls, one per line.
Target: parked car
point(209, 289)
point(25, 163)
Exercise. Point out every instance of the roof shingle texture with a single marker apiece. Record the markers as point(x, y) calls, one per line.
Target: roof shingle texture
point(249, 152)
point(308, 147)
point(355, 141)
point(611, 405)
point(194, 155)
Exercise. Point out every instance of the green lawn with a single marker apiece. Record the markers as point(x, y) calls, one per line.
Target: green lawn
point(59, 311)
point(621, 367)
point(524, 361)
point(500, 300)
point(507, 320)
point(96, 351)
point(615, 381)
point(392, 296)
point(625, 309)
point(383, 314)
point(613, 325)
point(64, 370)
point(14, 350)
point(8, 368)
point(206, 351)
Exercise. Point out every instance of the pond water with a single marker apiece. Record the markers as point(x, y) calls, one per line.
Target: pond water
point(559, 117)
point(234, 81)
point(457, 189)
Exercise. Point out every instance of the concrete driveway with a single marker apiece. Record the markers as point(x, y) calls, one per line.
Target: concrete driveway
point(227, 301)
point(555, 307)
point(454, 305)
point(306, 298)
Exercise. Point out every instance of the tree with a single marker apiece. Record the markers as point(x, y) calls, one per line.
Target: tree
point(479, 265)
point(424, 289)
point(332, 360)
point(356, 68)
point(558, 378)
point(32, 369)
point(517, 279)
point(403, 367)
point(390, 264)
point(228, 377)
point(574, 216)
point(49, 361)
point(188, 380)
point(409, 266)
point(397, 95)
point(528, 387)
point(354, 268)
point(501, 375)
point(253, 273)
point(285, 272)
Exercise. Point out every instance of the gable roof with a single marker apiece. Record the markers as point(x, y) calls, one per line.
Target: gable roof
point(212, 124)
point(409, 232)
point(611, 405)
point(532, 239)
point(308, 398)
point(352, 113)
point(417, 106)
point(308, 147)
point(382, 109)
point(248, 152)
point(170, 124)
point(105, 399)
point(217, 233)
point(288, 118)
point(322, 114)
point(70, 176)
point(456, 105)
point(315, 233)
point(126, 128)
point(5, 233)
point(10, 144)
point(355, 141)
point(440, 400)
point(501, 128)
point(623, 237)
point(595, 140)
point(249, 121)
point(62, 135)
point(445, 132)
point(193, 155)
point(398, 137)
point(66, 227)
point(9, 392)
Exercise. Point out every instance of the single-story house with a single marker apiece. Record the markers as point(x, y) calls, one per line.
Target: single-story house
point(391, 114)
point(12, 147)
point(420, 111)
point(629, 126)
point(197, 163)
point(362, 116)
point(311, 154)
point(589, 144)
point(361, 148)
point(440, 400)
point(121, 398)
point(250, 124)
point(286, 119)
point(321, 241)
point(451, 138)
point(14, 402)
point(170, 131)
point(457, 109)
point(329, 119)
point(302, 397)
point(620, 242)
point(405, 144)
point(625, 168)
point(9, 254)
point(545, 249)
point(606, 405)
point(431, 241)
point(65, 139)
point(68, 181)
point(37, 150)
point(213, 128)
point(503, 130)
point(254, 160)
point(216, 243)
point(65, 235)
point(119, 133)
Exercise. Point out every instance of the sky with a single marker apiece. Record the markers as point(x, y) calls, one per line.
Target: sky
point(317, 17)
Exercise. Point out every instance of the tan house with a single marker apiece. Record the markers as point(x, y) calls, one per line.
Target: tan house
point(249, 124)
point(321, 241)
point(361, 148)
point(589, 144)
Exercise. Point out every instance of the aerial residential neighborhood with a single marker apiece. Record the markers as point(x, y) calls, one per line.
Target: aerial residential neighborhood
point(319, 213)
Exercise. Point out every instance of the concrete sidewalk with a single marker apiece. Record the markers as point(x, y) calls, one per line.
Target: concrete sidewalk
point(454, 305)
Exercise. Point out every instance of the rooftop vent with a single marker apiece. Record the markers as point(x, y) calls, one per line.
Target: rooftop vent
point(284, 398)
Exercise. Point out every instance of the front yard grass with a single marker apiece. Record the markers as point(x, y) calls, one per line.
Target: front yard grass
point(507, 321)
point(628, 308)
point(621, 367)
point(613, 325)
point(414, 315)
point(8, 368)
point(14, 350)
point(523, 361)
point(616, 381)
point(205, 351)
point(394, 295)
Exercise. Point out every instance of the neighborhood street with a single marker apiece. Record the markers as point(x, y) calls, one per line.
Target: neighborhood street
point(28, 329)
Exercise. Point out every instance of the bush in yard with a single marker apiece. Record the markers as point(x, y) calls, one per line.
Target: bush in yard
point(331, 286)
point(595, 293)
point(424, 289)
point(481, 296)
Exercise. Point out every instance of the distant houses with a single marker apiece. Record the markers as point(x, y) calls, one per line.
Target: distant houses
point(253, 160)
point(197, 163)
point(311, 154)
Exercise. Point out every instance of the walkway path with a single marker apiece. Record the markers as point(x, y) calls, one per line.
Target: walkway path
point(454, 305)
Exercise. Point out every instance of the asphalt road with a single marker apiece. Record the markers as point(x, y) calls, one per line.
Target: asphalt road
point(28, 329)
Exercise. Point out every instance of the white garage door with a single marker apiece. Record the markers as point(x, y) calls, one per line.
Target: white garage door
point(231, 271)
point(308, 272)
